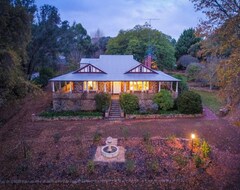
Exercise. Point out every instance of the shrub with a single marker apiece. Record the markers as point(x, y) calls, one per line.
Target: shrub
point(102, 101)
point(171, 138)
point(186, 60)
point(189, 103)
point(57, 137)
point(181, 160)
point(129, 102)
point(97, 136)
point(205, 149)
point(125, 132)
point(44, 75)
point(182, 85)
point(153, 165)
point(71, 170)
point(146, 137)
point(129, 166)
point(193, 71)
point(90, 166)
point(164, 100)
point(198, 161)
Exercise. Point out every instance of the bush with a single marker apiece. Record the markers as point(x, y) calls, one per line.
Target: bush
point(97, 136)
point(102, 101)
point(146, 137)
point(44, 75)
point(186, 60)
point(198, 161)
point(189, 103)
point(181, 160)
point(182, 85)
point(206, 149)
point(193, 71)
point(164, 100)
point(90, 166)
point(129, 166)
point(129, 102)
point(153, 165)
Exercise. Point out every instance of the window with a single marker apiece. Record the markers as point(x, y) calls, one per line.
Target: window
point(139, 86)
point(90, 85)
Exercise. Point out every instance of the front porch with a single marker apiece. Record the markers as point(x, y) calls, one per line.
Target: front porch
point(115, 87)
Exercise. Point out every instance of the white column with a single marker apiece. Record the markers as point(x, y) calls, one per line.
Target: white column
point(177, 87)
point(53, 88)
point(105, 87)
point(142, 87)
point(125, 87)
point(159, 86)
point(59, 86)
point(70, 83)
point(111, 87)
point(96, 86)
point(171, 86)
point(87, 86)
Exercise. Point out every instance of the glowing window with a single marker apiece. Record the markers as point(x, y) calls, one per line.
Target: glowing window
point(90, 85)
point(139, 86)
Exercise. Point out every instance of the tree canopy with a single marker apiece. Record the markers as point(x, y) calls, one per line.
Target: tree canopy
point(221, 31)
point(15, 34)
point(141, 39)
point(185, 41)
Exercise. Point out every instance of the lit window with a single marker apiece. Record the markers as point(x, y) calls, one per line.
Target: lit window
point(138, 86)
point(90, 85)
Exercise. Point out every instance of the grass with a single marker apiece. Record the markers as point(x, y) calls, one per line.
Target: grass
point(211, 100)
point(52, 114)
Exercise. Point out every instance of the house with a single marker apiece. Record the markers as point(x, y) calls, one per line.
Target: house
point(112, 74)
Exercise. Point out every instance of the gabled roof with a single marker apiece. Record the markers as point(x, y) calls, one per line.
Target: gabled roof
point(114, 68)
point(89, 68)
point(141, 69)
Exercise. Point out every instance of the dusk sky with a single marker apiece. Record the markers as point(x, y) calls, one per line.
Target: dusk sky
point(110, 16)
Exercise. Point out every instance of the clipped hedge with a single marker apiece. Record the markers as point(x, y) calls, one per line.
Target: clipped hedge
point(129, 103)
point(102, 101)
point(164, 100)
point(189, 102)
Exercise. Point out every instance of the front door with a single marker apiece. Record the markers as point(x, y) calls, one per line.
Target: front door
point(116, 87)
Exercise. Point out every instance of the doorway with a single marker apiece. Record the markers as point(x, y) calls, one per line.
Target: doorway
point(116, 87)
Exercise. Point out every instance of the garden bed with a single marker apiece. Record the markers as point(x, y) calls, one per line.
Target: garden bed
point(167, 161)
point(66, 115)
point(162, 116)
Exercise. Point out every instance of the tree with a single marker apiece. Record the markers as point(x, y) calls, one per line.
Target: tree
point(185, 41)
point(140, 39)
point(15, 34)
point(186, 60)
point(43, 49)
point(221, 29)
point(209, 71)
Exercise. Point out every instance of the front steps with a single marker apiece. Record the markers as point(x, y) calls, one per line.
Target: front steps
point(115, 110)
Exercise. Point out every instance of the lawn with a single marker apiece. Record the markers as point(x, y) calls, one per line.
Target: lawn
point(210, 99)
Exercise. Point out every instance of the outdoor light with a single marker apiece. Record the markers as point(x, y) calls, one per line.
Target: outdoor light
point(192, 137)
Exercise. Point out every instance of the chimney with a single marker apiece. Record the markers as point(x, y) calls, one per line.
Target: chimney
point(148, 61)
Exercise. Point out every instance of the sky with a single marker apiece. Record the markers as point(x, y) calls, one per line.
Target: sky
point(110, 16)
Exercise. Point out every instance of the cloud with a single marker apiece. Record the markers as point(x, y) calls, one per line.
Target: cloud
point(111, 16)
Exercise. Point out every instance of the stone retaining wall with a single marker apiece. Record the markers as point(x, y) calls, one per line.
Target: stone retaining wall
point(74, 101)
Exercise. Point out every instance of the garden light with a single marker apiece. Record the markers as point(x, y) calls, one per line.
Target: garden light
point(192, 137)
